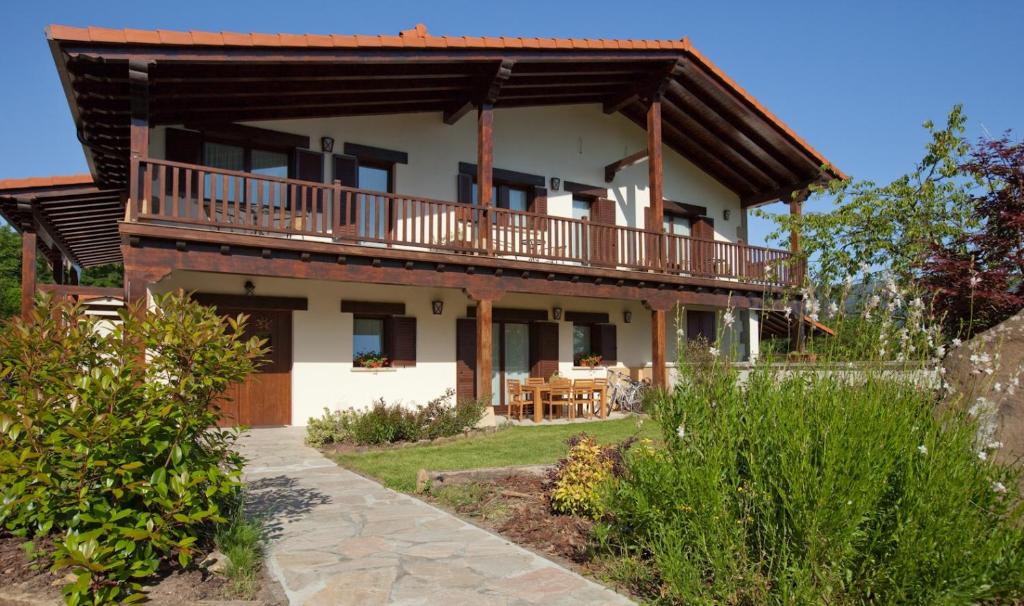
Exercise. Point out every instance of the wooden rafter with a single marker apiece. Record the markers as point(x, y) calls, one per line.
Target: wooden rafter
point(624, 163)
point(489, 96)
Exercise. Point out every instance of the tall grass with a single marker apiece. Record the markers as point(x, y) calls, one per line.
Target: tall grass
point(241, 540)
point(809, 487)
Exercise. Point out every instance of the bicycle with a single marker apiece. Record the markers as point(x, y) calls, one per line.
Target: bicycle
point(625, 393)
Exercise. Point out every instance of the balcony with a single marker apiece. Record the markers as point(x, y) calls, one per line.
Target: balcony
point(172, 193)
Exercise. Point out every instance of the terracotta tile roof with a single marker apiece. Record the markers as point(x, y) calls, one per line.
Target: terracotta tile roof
point(417, 37)
point(57, 181)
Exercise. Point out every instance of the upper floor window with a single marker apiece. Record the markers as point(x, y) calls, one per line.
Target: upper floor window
point(580, 208)
point(677, 225)
point(376, 177)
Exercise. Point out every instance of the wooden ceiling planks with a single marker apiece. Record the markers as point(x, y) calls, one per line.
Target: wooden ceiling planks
point(706, 117)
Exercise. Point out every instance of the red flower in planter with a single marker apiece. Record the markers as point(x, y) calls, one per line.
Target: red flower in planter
point(371, 359)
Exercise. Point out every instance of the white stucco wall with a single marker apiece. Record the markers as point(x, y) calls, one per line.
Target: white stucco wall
point(322, 371)
point(572, 142)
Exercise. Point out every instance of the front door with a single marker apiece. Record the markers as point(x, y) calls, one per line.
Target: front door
point(264, 397)
point(511, 359)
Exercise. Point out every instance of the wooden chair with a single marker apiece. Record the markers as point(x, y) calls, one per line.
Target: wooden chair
point(583, 396)
point(517, 398)
point(560, 395)
point(600, 386)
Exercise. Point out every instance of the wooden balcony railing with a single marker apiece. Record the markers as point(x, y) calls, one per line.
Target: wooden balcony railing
point(174, 192)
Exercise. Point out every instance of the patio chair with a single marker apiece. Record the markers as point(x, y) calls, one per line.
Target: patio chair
point(560, 395)
point(517, 398)
point(583, 396)
point(600, 385)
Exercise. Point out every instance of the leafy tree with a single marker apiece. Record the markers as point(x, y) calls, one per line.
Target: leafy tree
point(893, 226)
point(976, 276)
point(110, 276)
point(10, 272)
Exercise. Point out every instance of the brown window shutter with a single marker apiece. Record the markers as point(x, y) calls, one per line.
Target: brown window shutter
point(602, 211)
point(703, 228)
point(345, 169)
point(543, 349)
point(605, 342)
point(464, 188)
point(184, 146)
point(400, 332)
point(539, 201)
point(465, 359)
point(309, 166)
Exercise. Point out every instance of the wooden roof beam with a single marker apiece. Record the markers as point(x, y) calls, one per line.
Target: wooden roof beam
point(630, 160)
point(645, 92)
point(489, 96)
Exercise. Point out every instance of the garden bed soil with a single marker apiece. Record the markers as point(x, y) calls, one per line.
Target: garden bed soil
point(516, 506)
point(27, 582)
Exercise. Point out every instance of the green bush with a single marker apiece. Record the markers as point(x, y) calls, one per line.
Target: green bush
point(814, 489)
point(108, 441)
point(384, 423)
point(579, 477)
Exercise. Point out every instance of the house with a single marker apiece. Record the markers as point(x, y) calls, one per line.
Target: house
point(472, 209)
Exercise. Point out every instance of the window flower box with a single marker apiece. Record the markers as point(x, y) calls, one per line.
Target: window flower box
point(371, 359)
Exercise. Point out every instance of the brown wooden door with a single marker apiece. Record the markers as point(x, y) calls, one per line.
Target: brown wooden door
point(265, 397)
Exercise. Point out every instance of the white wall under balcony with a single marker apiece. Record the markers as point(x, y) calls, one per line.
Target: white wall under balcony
point(572, 142)
point(322, 371)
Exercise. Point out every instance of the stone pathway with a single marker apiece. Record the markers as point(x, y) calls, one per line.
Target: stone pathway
point(338, 538)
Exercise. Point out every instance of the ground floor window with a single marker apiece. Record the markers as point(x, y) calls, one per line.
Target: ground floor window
point(368, 342)
point(582, 341)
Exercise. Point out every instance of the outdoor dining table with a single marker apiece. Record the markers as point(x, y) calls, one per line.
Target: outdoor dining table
point(540, 388)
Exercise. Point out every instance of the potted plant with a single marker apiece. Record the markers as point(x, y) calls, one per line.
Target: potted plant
point(371, 359)
point(590, 360)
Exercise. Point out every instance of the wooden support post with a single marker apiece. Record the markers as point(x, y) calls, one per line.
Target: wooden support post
point(656, 212)
point(138, 82)
point(659, 371)
point(654, 164)
point(28, 273)
point(57, 268)
point(73, 276)
point(484, 350)
point(485, 170)
point(797, 333)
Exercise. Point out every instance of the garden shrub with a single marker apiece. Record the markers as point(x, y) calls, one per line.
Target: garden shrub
point(107, 442)
point(384, 423)
point(579, 478)
point(808, 488)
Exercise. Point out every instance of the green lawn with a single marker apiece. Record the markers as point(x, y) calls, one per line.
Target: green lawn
point(511, 446)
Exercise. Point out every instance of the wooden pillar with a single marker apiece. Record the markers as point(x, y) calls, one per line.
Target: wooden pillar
point(72, 276)
point(138, 82)
point(796, 203)
point(484, 349)
point(656, 211)
point(57, 268)
point(28, 273)
point(654, 165)
point(484, 171)
point(659, 371)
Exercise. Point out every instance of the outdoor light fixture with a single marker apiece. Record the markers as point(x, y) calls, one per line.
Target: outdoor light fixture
point(327, 144)
point(250, 288)
point(556, 313)
point(438, 307)
point(726, 214)
point(627, 316)
point(556, 183)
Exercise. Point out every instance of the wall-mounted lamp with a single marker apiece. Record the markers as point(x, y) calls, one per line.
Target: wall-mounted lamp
point(556, 183)
point(726, 214)
point(556, 313)
point(627, 316)
point(327, 144)
point(437, 307)
point(250, 288)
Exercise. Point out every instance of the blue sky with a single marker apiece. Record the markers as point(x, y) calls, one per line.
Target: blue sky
point(855, 79)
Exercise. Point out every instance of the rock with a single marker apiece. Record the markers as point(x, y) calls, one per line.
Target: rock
point(422, 480)
point(216, 562)
point(983, 376)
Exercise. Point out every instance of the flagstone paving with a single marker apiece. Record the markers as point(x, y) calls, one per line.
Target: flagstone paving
point(339, 538)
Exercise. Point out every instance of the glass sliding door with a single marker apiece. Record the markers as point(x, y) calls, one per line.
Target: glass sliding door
point(511, 358)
